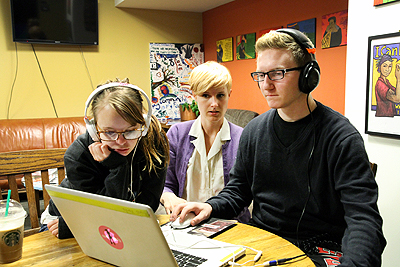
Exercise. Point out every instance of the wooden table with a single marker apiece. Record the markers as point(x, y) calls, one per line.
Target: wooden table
point(43, 249)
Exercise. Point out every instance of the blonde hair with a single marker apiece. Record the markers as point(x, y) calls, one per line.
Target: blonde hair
point(280, 40)
point(128, 104)
point(209, 75)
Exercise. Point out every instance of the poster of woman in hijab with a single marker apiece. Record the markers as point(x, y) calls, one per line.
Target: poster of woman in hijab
point(385, 91)
point(383, 86)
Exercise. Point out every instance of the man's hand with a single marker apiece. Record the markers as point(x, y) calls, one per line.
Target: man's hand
point(170, 201)
point(202, 211)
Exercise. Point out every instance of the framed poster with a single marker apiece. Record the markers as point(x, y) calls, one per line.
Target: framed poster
point(383, 91)
point(225, 50)
point(307, 27)
point(334, 28)
point(382, 2)
point(170, 67)
point(245, 46)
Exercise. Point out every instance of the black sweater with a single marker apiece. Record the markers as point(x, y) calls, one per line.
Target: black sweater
point(342, 199)
point(111, 177)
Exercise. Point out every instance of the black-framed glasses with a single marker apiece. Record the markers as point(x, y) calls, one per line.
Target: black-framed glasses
point(273, 75)
point(113, 135)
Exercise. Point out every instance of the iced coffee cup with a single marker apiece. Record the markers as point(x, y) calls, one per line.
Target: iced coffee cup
point(11, 231)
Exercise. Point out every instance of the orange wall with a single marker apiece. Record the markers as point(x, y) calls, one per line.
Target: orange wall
point(248, 16)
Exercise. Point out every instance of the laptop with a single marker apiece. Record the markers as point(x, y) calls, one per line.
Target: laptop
point(125, 233)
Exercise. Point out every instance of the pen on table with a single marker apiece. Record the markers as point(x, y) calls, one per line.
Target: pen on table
point(280, 261)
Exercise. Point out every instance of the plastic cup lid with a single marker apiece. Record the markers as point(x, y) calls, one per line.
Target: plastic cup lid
point(15, 210)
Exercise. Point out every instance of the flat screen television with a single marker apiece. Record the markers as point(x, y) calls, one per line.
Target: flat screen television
point(73, 22)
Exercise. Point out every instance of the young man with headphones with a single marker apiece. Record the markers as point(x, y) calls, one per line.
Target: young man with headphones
point(123, 154)
point(302, 164)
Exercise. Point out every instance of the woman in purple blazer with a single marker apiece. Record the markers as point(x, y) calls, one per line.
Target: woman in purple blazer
point(203, 151)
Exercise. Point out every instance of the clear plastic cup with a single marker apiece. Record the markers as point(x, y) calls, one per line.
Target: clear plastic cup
point(11, 231)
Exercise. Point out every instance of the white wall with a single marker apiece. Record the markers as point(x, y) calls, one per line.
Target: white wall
point(366, 20)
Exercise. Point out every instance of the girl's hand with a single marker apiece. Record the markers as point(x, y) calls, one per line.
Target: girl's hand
point(170, 201)
point(53, 227)
point(99, 151)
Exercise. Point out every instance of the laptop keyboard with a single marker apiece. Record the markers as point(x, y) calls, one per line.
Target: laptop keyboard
point(187, 260)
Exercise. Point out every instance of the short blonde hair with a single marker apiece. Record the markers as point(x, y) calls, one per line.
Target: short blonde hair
point(209, 75)
point(281, 40)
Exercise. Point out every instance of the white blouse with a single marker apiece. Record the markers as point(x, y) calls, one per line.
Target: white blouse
point(205, 173)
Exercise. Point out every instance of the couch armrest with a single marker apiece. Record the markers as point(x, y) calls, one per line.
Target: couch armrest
point(240, 117)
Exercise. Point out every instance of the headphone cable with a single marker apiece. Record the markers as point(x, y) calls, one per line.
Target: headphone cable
point(140, 177)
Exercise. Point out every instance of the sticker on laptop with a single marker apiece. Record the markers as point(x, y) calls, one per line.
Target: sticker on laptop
point(111, 237)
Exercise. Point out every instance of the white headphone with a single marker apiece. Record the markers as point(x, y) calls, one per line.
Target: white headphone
point(90, 124)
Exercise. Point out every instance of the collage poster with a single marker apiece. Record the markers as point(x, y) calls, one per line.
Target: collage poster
point(170, 67)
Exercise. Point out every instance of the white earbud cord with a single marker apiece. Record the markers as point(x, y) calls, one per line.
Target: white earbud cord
point(232, 262)
point(133, 155)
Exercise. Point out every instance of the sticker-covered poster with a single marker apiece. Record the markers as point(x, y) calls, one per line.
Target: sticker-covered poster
point(170, 67)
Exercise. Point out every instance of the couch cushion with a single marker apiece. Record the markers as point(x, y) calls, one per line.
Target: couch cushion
point(61, 132)
point(28, 134)
point(18, 135)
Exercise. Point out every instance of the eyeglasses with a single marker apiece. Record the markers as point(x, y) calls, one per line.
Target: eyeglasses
point(273, 75)
point(128, 135)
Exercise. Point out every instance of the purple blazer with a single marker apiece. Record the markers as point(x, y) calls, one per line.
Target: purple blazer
point(181, 149)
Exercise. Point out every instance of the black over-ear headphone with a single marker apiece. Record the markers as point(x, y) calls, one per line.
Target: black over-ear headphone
point(310, 74)
point(90, 124)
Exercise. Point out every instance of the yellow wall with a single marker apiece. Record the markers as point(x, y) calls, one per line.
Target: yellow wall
point(123, 51)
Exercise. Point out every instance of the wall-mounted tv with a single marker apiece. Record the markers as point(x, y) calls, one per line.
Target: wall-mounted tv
point(73, 22)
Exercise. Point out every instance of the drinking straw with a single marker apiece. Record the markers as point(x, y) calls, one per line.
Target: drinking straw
point(8, 202)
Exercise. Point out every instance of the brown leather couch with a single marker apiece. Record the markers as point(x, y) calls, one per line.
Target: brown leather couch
point(30, 134)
